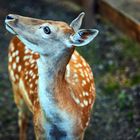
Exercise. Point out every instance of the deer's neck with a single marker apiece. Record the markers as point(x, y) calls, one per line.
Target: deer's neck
point(51, 70)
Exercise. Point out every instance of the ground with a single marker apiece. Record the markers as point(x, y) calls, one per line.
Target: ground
point(114, 59)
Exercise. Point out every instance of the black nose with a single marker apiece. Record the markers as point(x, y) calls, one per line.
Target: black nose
point(9, 17)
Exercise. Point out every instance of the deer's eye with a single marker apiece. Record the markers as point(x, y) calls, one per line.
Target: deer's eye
point(47, 30)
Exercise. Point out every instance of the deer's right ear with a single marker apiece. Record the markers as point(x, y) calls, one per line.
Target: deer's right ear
point(82, 37)
point(76, 23)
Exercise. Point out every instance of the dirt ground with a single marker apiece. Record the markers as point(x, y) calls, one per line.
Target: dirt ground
point(113, 58)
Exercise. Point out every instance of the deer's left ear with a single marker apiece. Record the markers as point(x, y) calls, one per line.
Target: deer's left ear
point(76, 23)
point(83, 37)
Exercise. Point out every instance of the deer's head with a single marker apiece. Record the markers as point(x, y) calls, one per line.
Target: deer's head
point(47, 36)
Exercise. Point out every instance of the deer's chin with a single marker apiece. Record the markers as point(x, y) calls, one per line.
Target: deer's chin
point(10, 29)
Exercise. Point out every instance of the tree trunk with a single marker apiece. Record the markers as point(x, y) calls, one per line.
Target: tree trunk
point(90, 14)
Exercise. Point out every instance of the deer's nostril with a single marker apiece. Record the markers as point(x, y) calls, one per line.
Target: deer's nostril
point(9, 17)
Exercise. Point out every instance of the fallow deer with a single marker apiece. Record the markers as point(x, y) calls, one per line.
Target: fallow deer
point(49, 77)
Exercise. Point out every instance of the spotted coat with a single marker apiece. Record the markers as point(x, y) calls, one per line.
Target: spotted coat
point(24, 76)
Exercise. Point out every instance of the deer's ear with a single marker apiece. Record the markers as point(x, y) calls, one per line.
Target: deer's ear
point(83, 37)
point(76, 23)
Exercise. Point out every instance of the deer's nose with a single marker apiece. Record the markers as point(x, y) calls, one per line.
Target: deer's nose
point(10, 17)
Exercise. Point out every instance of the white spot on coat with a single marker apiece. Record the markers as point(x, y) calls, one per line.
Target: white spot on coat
point(14, 65)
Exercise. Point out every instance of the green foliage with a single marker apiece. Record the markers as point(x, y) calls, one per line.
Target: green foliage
point(130, 116)
point(124, 101)
point(138, 132)
point(131, 49)
point(109, 83)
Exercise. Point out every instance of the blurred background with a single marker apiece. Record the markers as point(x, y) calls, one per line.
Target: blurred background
point(114, 57)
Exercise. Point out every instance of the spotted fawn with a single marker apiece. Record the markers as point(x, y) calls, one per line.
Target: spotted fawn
point(49, 77)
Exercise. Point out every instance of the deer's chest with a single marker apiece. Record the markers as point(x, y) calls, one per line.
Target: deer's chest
point(58, 127)
point(58, 124)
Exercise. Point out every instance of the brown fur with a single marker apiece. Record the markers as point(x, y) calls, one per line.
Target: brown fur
point(29, 76)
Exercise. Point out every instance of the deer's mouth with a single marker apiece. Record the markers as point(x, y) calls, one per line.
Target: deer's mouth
point(10, 29)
